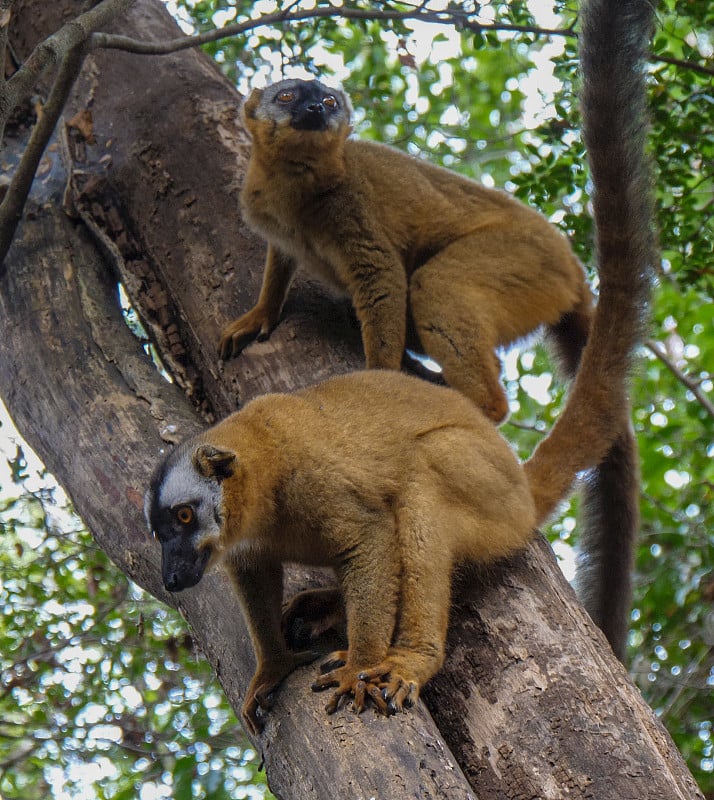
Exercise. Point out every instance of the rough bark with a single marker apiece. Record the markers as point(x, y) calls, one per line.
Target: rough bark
point(531, 702)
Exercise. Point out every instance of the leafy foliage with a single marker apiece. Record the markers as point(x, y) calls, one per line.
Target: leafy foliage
point(101, 692)
point(95, 673)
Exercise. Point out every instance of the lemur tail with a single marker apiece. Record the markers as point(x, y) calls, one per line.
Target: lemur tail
point(608, 518)
point(594, 429)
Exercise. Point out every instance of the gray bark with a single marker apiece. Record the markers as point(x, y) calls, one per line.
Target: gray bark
point(530, 704)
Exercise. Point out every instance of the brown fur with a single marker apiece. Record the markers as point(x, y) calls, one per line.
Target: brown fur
point(477, 268)
point(386, 478)
point(469, 269)
point(391, 480)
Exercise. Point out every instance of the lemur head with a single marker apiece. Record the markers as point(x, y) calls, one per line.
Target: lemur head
point(299, 105)
point(183, 507)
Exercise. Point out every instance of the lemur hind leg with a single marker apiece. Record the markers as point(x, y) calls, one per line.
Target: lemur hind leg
point(462, 343)
point(484, 291)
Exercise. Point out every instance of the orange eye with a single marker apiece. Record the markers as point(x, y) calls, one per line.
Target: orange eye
point(285, 96)
point(184, 514)
point(330, 101)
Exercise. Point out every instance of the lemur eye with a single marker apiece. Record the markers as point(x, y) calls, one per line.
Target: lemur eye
point(286, 96)
point(184, 514)
point(330, 101)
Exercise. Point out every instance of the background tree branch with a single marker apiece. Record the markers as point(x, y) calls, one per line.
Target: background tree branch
point(452, 17)
point(660, 352)
point(62, 50)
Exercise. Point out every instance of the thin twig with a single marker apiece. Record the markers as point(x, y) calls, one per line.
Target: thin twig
point(693, 386)
point(682, 686)
point(21, 755)
point(454, 18)
point(525, 426)
point(678, 62)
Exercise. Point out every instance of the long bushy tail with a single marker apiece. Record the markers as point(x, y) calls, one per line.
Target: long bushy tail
point(609, 518)
point(594, 429)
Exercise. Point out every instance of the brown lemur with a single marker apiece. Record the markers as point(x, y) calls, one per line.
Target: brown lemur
point(392, 480)
point(437, 260)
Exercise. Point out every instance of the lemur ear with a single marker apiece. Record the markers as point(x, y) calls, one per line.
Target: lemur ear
point(212, 462)
point(251, 103)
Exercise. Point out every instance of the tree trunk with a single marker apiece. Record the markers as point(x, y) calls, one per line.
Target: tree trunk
point(531, 702)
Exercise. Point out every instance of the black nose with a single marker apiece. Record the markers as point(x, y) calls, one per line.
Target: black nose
point(172, 582)
point(312, 117)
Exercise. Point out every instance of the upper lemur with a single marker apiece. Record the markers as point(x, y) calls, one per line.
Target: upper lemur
point(392, 480)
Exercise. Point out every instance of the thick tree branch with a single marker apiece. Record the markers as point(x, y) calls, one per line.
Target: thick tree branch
point(7, 10)
point(54, 48)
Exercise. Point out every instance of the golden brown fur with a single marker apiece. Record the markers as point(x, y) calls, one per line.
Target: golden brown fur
point(391, 480)
point(386, 478)
point(434, 259)
point(475, 268)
